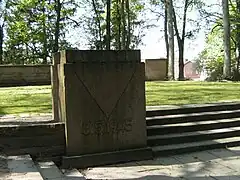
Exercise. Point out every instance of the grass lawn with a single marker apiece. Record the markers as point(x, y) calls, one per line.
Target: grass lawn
point(30, 99)
point(190, 92)
point(37, 99)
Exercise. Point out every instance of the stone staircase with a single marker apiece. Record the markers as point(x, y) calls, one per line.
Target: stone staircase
point(23, 167)
point(193, 128)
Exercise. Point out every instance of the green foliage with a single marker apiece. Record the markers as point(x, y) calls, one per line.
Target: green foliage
point(121, 19)
point(211, 59)
point(31, 30)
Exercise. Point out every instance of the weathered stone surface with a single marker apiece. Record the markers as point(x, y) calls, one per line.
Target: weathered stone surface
point(50, 171)
point(102, 102)
point(55, 86)
point(22, 167)
point(73, 174)
point(97, 159)
point(156, 69)
point(193, 166)
point(73, 56)
point(22, 75)
point(47, 140)
point(105, 108)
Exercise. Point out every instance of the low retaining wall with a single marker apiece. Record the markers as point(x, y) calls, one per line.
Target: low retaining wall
point(23, 75)
point(155, 69)
point(26, 75)
point(38, 140)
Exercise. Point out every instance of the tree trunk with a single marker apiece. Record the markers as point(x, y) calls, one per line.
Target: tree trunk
point(119, 25)
point(166, 34)
point(57, 26)
point(181, 40)
point(1, 44)
point(128, 25)
point(181, 61)
point(227, 46)
point(170, 40)
point(123, 25)
point(238, 35)
point(98, 24)
point(1, 38)
point(45, 50)
point(182, 43)
point(108, 27)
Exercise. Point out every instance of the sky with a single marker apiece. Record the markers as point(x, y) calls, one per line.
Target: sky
point(154, 44)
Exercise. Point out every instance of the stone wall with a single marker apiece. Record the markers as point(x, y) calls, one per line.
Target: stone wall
point(155, 69)
point(46, 140)
point(22, 75)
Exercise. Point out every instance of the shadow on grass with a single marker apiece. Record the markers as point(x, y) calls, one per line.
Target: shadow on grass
point(2, 111)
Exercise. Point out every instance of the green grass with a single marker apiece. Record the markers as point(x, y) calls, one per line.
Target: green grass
point(31, 99)
point(189, 92)
point(37, 99)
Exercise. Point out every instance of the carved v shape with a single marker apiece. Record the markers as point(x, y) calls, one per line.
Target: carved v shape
point(106, 83)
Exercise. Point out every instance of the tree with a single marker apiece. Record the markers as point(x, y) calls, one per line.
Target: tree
point(166, 37)
point(211, 59)
point(232, 36)
point(170, 48)
point(57, 7)
point(2, 23)
point(126, 27)
point(188, 5)
point(185, 27)
point(35, 29)
point(227, 47)
point(108, 25)
point(238, 30)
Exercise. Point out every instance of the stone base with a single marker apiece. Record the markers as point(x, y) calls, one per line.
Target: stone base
point(90, 160)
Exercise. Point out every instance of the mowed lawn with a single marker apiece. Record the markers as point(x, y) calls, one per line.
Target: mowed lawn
point(30, 99)
point(37, 99)
point(190, 92)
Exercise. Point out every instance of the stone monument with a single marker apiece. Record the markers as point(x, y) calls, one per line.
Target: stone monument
point(101, 98)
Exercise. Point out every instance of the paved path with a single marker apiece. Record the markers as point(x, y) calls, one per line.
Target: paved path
point(221, 164)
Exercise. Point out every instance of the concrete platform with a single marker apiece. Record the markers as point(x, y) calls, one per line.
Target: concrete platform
point(90, 160)
point(22, 167)
point(219, 164)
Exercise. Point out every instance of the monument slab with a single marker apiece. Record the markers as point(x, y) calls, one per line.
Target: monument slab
point(102, 102)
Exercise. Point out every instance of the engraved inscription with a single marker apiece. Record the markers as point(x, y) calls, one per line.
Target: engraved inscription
point(106, 126)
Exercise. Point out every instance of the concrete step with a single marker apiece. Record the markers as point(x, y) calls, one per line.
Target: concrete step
point(197, 136)
point(22, 167)
point(50, 171)
point(194, 108)
point(174, 149)
point(192, 126)
point(192, 117)
point(73, 174)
